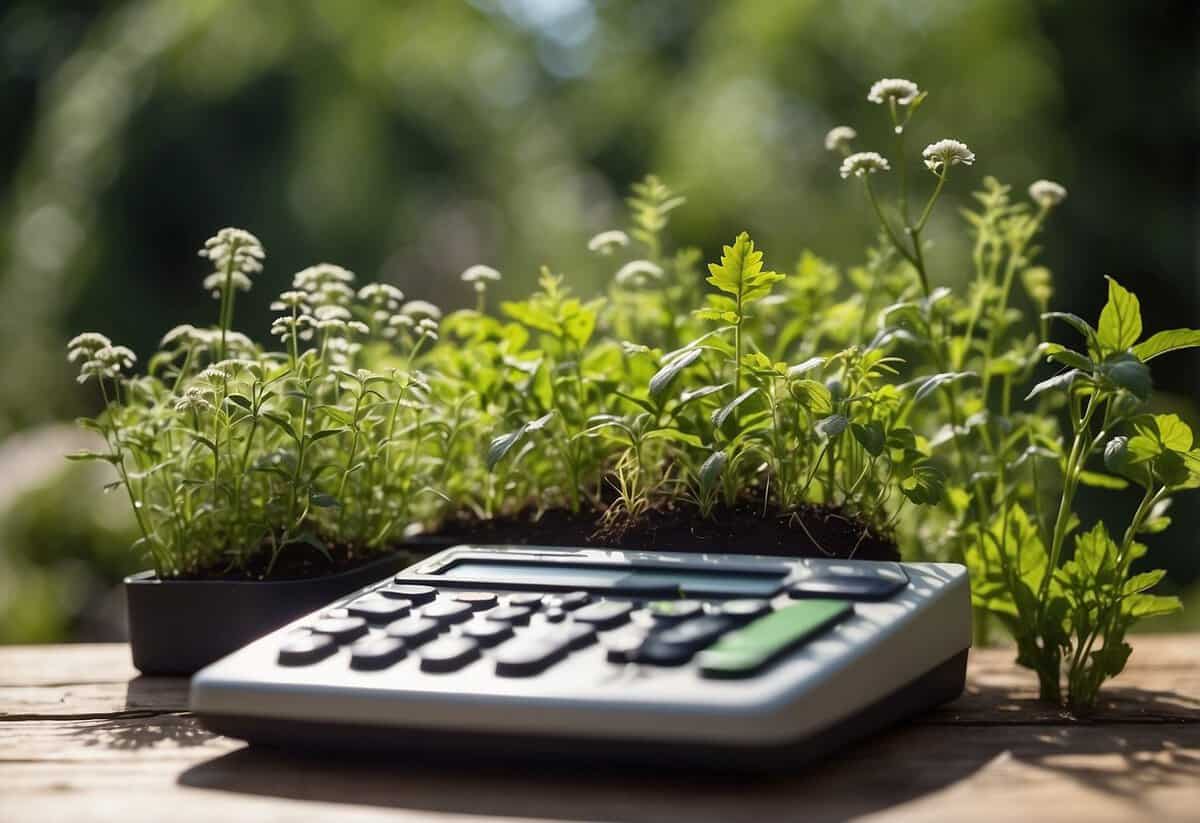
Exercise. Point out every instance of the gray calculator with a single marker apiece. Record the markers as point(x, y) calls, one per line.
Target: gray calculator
point(724, 660)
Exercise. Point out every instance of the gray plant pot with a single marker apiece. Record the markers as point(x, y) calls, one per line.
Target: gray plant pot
point(180, 626)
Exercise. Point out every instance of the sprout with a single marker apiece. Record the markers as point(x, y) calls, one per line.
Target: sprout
point(1047, 193)
point(606, 242)
point(946, 153)
point(864, 163)
point(638, 273)
point(895, 89)
point(839, 138)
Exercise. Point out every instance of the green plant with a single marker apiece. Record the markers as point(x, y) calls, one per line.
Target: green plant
point(860, 394)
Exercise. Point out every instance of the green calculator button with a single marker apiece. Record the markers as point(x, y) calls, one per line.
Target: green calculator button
point(749, 649)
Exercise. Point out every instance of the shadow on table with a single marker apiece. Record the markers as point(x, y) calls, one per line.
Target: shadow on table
point(155, 714)
point(887, 770)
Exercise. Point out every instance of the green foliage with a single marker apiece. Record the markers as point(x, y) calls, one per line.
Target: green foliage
point(873, 392)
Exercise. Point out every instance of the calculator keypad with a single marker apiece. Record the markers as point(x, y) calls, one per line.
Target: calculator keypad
point(522, 634)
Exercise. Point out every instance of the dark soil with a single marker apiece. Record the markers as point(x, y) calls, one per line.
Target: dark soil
point(298, 561)
point(742, 529)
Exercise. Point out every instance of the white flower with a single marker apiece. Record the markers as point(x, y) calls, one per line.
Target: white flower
point(314, 277)
point(116, 358)
point(946, 153)
point(1047, 193)
point(893, 88)
point(864, 163)
point(235, 341)
point(332, 313)
point(235, 254)
point(194, 399)
point(292, 299)
point(479, 273)
point(185, 332)
point(421, 308)
point(213, 375)
point(606, 242)
point(381, 294)
point(839, 137)
point(86, 345)
point(638, 273)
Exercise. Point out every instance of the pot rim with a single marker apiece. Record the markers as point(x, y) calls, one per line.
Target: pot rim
point(149, 577)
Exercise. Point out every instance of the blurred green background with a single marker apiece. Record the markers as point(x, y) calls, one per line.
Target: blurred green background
point(408, 140)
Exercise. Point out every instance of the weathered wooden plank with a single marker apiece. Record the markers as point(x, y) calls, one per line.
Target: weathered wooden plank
point(82, 739)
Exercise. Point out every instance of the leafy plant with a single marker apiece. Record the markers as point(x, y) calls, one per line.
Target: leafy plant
point(865, 394)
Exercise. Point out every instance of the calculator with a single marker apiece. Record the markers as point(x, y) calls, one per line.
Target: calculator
point(722, 660)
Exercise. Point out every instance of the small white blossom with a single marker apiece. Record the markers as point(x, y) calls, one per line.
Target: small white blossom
point(313, 278)
point(185, 332)
point(194, 398)
point(116, 358)
point(893, 88)
point(638, 273)
point(235, 341)
point(946, 153)
point(479, 273)
point(381, 294)
point(86, 345)
point(292, 299)
point(358, 327)
point(427, 326)
point(606, 242)
point(421, 308)
point(214, 375)
point(235, 254)
point(839, 138)
point(331, 313)
point(1047, 193)
point(863, 163)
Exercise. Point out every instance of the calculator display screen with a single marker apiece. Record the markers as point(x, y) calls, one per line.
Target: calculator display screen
point(733, 583)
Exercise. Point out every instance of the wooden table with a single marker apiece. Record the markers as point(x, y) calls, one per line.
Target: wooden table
point(83, 738)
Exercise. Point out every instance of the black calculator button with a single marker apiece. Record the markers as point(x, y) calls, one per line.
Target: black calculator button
point(477, 600)
point(607, 614)
point(376, 652)
point(529, 600)
point(341, 629)
point(301, 648)
point(531, 654)
point(555, 615)
point(413, 593)
point(375, 608)
point(447, 611)
point(673, 611)
point(657, 653)
point(846, 587)
point(745, 610)
point(567, 600)
point(695, 634)
point(577, 635)
point(486, 633)
point(447, 654)
point(414, 630)
point(622, 646)
point(517, 615)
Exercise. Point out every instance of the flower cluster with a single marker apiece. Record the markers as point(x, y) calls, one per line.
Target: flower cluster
point(893, 89)
point(863, 163)
point(236, 254)
point(946, 153)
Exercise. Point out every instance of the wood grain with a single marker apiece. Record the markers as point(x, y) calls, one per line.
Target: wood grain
point(82, 737)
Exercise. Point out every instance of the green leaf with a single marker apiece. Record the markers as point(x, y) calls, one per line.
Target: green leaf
point(1102, 481)
point(282, 423)
point(1120, 319)
point(1152, 605)
point(204, 441)
point(1167, 341)
point(1173, 433)
point(690, 395)
point(711, 470)
point(84, 455)
point(240, 400)
point(664, 377)
point(870, 436)
point(323, 433)
point(812, 395)
point(723, 414)
point(338, 415)
point(1059, 381)
point(1076, 322)
point(832, 426)
point(925, 484)
point(324, 501)
point(501, 446)
point(740, 272)
point(936, 381)
point(1142, 582)
point(1061, 354)
point(675, 436)
point(1129, 373)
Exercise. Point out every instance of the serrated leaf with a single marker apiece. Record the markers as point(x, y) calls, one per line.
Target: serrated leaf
point(664, 377)
point(1167, 341)
point(1120, 319)
point(740, 272)
point(870, 436)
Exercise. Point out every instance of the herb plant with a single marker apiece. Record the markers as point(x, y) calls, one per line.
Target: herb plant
point(862, 394)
